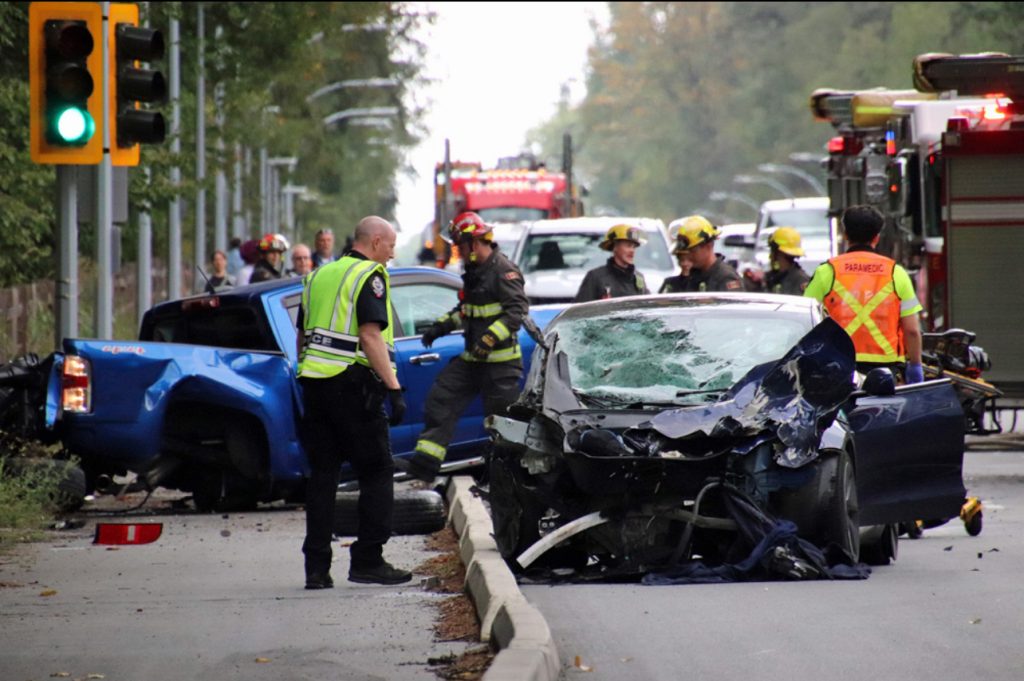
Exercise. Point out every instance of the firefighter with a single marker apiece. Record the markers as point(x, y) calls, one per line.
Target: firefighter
point(347, 371)
point(618, 277)
point(872, 297)
point(269, 266)
point(491, 309)
point(710, 270)
point(681, 281)
point(786, 275)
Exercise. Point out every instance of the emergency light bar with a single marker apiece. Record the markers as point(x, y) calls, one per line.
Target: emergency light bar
point(970, 74)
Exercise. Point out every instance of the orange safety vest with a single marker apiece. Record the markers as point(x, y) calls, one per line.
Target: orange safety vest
point(863, 301)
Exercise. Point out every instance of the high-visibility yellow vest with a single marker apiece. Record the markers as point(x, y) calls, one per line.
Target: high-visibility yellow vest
point(330, 342)
point(863, 301)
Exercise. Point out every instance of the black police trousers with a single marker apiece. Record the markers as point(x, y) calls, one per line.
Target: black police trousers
point(344, 420)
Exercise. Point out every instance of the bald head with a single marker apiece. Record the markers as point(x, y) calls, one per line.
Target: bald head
point(375, 238)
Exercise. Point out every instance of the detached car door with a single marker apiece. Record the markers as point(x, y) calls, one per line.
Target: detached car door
point(909, 450)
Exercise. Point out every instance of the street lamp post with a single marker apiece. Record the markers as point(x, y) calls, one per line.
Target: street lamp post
point(362, 112)
point(735, 196)
point(816, 185)
point(759, 179)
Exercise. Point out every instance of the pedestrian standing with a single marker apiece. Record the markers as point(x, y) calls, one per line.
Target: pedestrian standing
point(219, 278)
point(492, 307)
point(872, 298)
point(302, 261)
point(619, 276)
point(324, 247)
point(347, 372)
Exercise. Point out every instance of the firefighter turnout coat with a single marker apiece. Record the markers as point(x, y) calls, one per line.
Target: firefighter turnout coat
point(611, 281)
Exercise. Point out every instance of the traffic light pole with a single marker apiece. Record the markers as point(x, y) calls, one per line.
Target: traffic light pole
point(67, 281)
point(104, 327)
point(174, 231)
point(200, 243)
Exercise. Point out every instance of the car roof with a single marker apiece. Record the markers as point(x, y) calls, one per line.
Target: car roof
point(816, 202)
point(593, 225)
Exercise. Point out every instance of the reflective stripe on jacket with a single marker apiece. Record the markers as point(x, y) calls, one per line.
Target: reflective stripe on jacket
point(863, 301)
point(330, 342)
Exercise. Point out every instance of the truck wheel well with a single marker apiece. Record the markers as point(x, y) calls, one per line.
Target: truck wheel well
point(217, 436)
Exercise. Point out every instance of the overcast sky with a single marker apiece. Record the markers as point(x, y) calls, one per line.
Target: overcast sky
point(499, 68)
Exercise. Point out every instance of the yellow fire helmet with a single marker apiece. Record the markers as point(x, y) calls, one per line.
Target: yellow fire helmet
point(623, 233)
point(787, 240)
point(694, 230)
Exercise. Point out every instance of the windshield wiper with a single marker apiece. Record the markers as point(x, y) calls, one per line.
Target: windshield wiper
point(684, 393)
point(594, 401)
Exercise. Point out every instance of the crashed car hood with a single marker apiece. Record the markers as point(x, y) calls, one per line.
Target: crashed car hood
point(795, 397)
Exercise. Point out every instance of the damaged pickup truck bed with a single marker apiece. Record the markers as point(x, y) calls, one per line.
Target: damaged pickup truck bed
point(715, 435)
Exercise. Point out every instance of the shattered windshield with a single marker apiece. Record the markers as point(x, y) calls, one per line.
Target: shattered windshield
point(672, 355)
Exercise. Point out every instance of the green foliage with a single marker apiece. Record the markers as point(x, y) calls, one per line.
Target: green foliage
point(683, 96)
point(28, 497)
point(257, 55)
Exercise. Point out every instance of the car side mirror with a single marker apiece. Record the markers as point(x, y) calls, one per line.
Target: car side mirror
point(879, 383)
point(738, 241)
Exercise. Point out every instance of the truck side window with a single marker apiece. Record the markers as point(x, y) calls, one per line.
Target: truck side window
point(417, 306)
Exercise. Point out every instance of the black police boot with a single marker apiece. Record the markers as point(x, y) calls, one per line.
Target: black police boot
point(319, 580)
point(385, 573)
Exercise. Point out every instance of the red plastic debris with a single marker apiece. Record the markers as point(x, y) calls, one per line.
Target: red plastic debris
point(127, 533)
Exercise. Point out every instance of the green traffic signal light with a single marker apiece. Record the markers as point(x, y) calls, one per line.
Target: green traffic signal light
point(74, 125)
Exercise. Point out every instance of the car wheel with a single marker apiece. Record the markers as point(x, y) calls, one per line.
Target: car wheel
point(513, 514)
point(839, 504)
point(414, 512)
point(879, 544)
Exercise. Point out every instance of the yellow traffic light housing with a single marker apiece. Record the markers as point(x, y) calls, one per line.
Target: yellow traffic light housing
point(130, 125)
point(65, 63)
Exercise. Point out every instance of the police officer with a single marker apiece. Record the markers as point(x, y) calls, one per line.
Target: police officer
point(710, 270)
point(346, 370)
point(619, 276)
point(492, 307)
point(871, 297)
point(786, 275)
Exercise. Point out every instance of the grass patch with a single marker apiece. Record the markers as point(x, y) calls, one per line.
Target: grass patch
point(30, 493)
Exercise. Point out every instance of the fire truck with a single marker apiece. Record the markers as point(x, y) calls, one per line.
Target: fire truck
point(945, 164)
point(519, 189)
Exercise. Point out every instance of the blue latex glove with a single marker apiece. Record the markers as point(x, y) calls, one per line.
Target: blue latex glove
point(914, 373)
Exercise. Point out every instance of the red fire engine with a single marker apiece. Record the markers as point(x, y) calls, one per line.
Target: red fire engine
point(519, 189)
point(945, 164)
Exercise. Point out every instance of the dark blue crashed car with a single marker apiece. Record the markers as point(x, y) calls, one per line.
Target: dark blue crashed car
point(711, 437)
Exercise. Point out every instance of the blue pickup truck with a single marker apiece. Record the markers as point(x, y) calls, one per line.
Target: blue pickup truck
point(206, 401)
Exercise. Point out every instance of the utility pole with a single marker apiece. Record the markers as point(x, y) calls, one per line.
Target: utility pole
point(200, 245)
point(174, 233)
point(220, 224)
point(104, 327)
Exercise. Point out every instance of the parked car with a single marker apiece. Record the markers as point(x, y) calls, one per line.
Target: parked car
point(206, 401)
point(808, 215)
point(555, 255)
point(655, 431)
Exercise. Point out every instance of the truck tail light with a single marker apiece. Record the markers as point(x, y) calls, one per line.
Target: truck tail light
point(76, 385)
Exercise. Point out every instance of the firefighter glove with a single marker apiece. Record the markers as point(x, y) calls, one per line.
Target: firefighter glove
point(422, 466)
point(397, 406)
point(433, 333)
point(914, 372)
point(484, 346)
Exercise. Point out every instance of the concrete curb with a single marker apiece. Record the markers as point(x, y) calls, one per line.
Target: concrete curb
point(526, 648)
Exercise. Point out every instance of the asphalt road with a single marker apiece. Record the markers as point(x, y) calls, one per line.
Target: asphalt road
point(214, 598)
point(951, 608)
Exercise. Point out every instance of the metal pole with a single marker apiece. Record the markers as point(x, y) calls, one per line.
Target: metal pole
point(238, 221)
point(220, 225)
point(247, 173)
point(264, 195)
point(67, 282)
point(145, 268)
point(174, 235)
point(200, 245)
point(104, 283)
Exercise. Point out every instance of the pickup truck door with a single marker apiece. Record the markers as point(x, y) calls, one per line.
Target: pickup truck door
point(417, 303)
point(909, 453)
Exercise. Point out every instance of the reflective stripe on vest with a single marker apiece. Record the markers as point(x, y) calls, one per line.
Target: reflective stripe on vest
point(863, 301)
point(331, 332)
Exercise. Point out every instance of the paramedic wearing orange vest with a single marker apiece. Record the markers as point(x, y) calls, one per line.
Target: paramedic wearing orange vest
point(872, 298)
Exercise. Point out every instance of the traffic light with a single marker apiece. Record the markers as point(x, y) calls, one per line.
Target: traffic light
point(130, 125)
point(65, 63)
